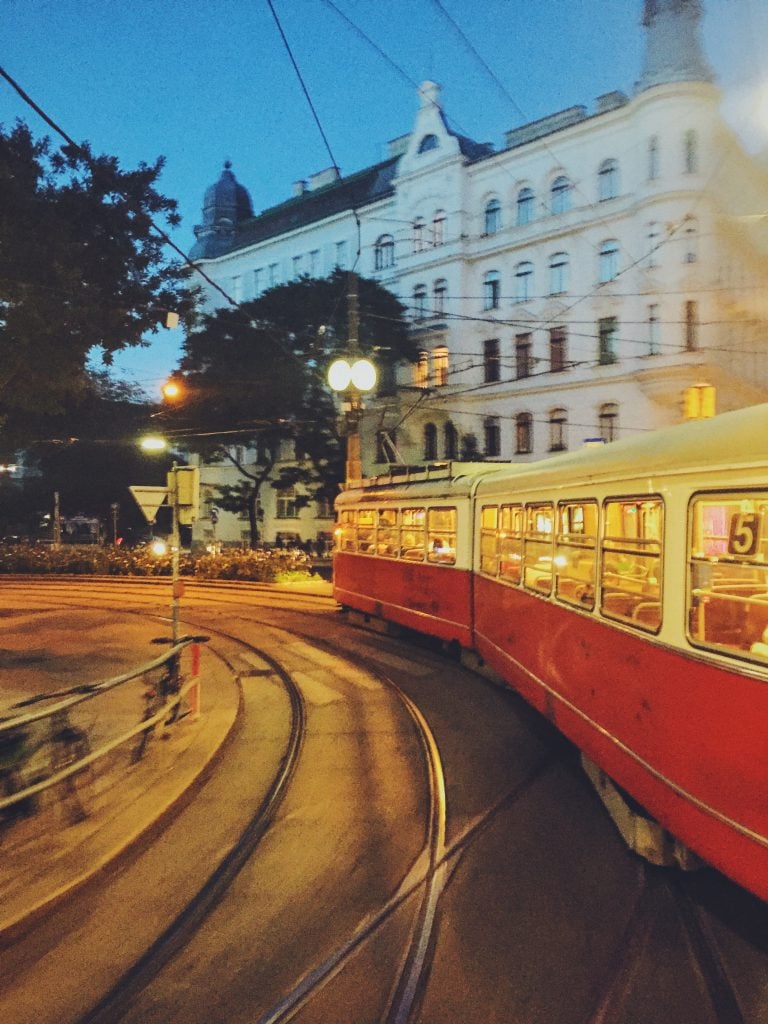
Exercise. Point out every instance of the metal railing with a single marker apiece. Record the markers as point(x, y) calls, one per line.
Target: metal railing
point(53, 745)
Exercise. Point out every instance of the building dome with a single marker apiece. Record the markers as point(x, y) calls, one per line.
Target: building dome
point(226, 204)
point(673, 51)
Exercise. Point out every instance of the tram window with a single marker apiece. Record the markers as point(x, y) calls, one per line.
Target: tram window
point(387, 536)
point(366, 533)
point(728, 573)
point(441, 536)
point(631, 563)
point(412, 534)
point(511, 542)
point(489, 540)
point(575, 545)
point(345, 532)
point(537, 574)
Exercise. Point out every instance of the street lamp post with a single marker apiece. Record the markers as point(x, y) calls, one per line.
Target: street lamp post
point(353, 380)
point(352, 377)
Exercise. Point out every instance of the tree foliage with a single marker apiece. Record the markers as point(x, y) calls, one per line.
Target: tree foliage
point(81, 269)
point(254, 381)
point(88, 454)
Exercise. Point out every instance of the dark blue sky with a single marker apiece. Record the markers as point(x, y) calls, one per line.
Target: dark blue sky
point(201, 81)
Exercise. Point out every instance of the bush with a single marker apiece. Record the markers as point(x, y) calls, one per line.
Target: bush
point(232, 564)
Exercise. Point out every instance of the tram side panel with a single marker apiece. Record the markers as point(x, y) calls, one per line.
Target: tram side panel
point(431, 599)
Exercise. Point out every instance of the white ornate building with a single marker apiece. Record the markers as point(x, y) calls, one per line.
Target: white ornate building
point(572, 284)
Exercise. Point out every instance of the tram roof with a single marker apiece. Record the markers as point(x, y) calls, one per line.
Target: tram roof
point(730, 440)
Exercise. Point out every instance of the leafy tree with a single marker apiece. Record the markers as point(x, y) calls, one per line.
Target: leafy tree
point(90, 455)
point(81, 268)
point(254, 381)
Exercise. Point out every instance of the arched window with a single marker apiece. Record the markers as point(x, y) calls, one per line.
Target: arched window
point(440, 365)
point(608, 180)
point(439, 292)
point(492, 432)
point(653, 158)
point(690, 152)
point(438, 228)
point(560, 195)
point(558, 273)
point(492, 217)
point(609, 260)
point(608, 421)
point(450, 441)
point(429, 142)
point(417, 235)
point(430, 442)
point(690, 240)
point(558, 430)
point(525, 207)
point(523, 433)
point(491, 290)
point(384, 253)
point(419, 302)
point(523, 282)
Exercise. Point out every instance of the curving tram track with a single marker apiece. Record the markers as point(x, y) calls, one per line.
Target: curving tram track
point(423, 849)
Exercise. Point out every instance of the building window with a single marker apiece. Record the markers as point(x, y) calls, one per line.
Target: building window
point(417, 235)
point(274, 274)
point(421, 371)
point(654, 345)
point(440, 366)
point(560, 195)
point(690, 152)
point(690, 240)
point(653, 245)
point(523, 282)
point(297, 267)
point(237, 288)
point(691, 326)
point(258, 281)
point(430, 442)
point(419, 302)
point(558, 273)
point(492, 217)
point(608, 330)
point(439, 292)
point(609, 261)
point(286, 503)
point(608, 180)
point(525, 209)
point(428, 143)
point(523, 360)
point(492, 433)
point(314, 262)
point(558, 341)
point(653, 158)
point(438, 228)
point(384, 253)
point(608, 421)
point(491, 360)
point(341, 255)
point(450, 441)
point(523, 433)
point(558, 430)
point(491, 290)
point(386, 446)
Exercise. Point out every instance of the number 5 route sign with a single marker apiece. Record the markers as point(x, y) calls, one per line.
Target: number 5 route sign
point(149, 500)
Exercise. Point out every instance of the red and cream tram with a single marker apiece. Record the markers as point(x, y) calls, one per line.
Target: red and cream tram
point(622, 590)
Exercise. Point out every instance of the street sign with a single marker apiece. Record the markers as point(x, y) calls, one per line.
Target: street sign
point(149, 499)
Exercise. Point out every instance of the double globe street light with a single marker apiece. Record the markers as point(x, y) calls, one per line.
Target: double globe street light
point(352, 379)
